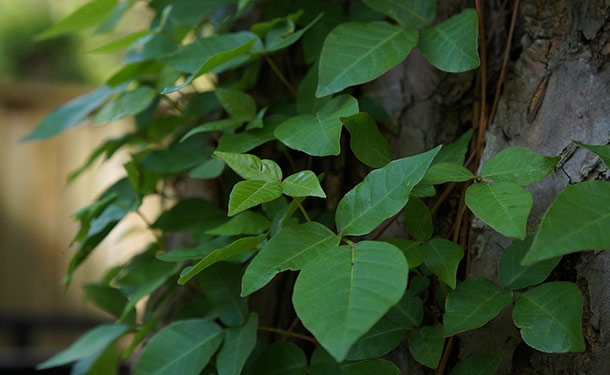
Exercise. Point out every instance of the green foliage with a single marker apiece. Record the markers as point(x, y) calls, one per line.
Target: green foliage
point(255, 223)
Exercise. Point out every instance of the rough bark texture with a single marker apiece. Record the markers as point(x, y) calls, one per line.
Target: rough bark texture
point(556, 90)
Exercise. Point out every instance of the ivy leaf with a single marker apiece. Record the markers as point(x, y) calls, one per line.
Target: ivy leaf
point(426, 345)
point(472, 304)
point(332, 288)
point(418, 219)
point(550, 316)
point(418, 13)
point(245, 223)
point(126, 104)
point(381, 339)
point(452, 45)
point(290, 249)
point(519, 166)
point(238, 344)
point(355, 53)
point(577, 220)
point(409, 312)
point(250, 193)
point(183, 347)
point(82, 18)
point(318, 134)
point(72, 113)
point(442, 257)
point(440, 173)
point(92, 342)
point(237, 103)
point(302, 184)
point(382, 194)
point(189, 214)
point(478, 364)
point(503, 205)
point(221, 285)
point(250, 167)
point(411, 249)
point(454, 152)
point(366, 141)
point(603, 151)
point(513, 275)
point(280, 358)
point(371, 366)
point(237, 247)
point(208, 170)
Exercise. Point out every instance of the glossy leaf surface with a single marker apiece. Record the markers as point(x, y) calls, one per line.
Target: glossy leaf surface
point(250, 193)
point(302, 184)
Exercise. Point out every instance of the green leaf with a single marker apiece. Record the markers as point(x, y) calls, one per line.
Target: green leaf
point(179, 157)
point(250, 167)
point(183, 347)
point(250, 193)
point(245, 223)
point(440, 173)
point(332, 288)
point(382, 194)
point(418, 219)
point(238, 344)
point(127, 104)
point(478, 364)
point(93, 341)
point(513, 275)
point(366, 141)
point(454, 152)
point(371, 366)
point(502, 205)
point(280, 358)
point(102, 363)
point(323, 363)
point(72, 113)
point(198, 252)
point(285, 41)
point(193, 57)
point(577, 220)
point(208, 170)
point(247, 140)
point(107, 298)
point(413, 13)
point(411, 249)
point(221, 284)
point(603, 151)
point(550, 316)
point(189, 214)
point(381, 339)
point(442, 257)
point(426, 345)
point(237, 247)
point(84, 17)
point(290, 249)
point(237, 103)
point(355, 53)
point(519, 166)
point(472, 304)
point(319, 133)
point(121, 43)
point(302, 184)
point(409, 312)
point(224, 124)
point(306, 93)
point(452, 45)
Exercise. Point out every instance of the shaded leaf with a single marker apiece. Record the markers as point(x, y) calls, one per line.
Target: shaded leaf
point(577, 220)
point(306, 93)
point(126, 104)
point(355, 53)
point(250, 193)
point(183, 347)
point(285, 41)
point(179, 157)
point(290, 249)
point(198, 252)
point(603, 151)
point(452, 45)
point(519, 166)
point(208, 170)
point(381, 339)
point(418, 219)
point(454, 152)
point(442, 257)
point(512, 274)
point(411, 249)
point(224, 124)
point(550, 316)
point(280, 358)
point(247, 140)
point(121, 43)
point(413, 13)
point(250, 167)
point(502, 205)
point(382, 194)
point(366, 141)
point(478, 364)
point(332, 288)
point(237, 103)
point(319, 133)
point(472, 304)
point(426, 345)
point(409, 312)
point(302, 184)
point(221, 283)
point(84, 17)
point(371, 366)
point(245, 223)
point(238, 344)
point(323, 363)
point(189, 214)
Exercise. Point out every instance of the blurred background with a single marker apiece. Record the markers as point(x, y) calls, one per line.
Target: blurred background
point(37, 317)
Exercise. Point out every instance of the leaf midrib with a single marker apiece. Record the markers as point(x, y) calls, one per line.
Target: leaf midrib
point(186, 353)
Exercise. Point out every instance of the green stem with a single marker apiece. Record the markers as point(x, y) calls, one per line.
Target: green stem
point(298, 202)
point(287, 333)
point(281, 76)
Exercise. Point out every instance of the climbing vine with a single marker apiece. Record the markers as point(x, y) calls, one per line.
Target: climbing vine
point(286, 79)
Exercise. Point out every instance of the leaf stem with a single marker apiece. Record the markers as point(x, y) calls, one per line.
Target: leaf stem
point(281, 76)
point(303, 211)
point(287, 333)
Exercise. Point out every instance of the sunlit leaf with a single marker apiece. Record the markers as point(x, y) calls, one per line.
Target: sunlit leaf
point(302, 184)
